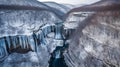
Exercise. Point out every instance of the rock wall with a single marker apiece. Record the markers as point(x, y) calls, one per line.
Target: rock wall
point(24, 22)
point(97, 44)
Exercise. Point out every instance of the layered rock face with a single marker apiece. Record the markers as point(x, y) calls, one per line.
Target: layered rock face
point(96, 42)
point(22, 23)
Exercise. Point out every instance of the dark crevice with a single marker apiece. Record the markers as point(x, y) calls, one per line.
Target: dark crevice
point(57, 58)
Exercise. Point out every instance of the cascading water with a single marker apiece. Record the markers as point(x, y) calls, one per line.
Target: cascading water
point(57, 58)
point(58, 31)
point(23, 43)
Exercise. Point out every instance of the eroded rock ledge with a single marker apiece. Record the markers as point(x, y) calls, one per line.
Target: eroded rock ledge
point(98, 45)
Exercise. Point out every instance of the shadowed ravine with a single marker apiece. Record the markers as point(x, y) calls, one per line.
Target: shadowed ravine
point(23, 43)
point(40, 34)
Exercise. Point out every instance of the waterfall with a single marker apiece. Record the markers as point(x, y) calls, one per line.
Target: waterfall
point(25, 43)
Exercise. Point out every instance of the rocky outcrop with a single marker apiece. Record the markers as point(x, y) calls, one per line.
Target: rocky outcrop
point(96, 44)
point(93, 40)
point(24, 22)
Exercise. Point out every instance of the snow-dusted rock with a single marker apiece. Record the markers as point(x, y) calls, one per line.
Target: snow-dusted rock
point(96, 42)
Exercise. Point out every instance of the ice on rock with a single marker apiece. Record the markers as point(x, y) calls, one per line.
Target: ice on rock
point(58, 31)
point(57, 54)
point(31, 42)
point(13, 41)
point(8, 42)
point(24, 42)
point(3, 50)
point(20, 40)
point(67, 33)
point(42, 38)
